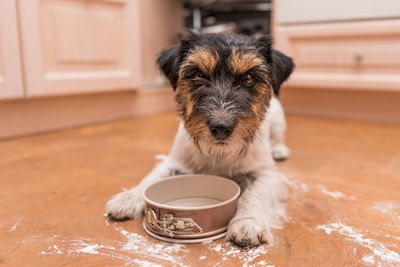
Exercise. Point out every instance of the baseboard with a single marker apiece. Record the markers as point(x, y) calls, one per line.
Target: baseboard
point(376, 106)
point(30, 116)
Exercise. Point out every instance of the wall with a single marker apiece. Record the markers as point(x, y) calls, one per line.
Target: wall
point(161, 22)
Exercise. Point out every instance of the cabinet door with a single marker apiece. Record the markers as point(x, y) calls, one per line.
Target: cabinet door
point(10, 68)
point(75, 46)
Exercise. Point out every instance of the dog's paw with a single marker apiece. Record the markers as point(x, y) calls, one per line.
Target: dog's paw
point(126, 205)
point(247, 233)
point(280, 152)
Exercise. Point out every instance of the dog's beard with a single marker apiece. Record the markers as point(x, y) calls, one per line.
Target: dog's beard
point(219, 149)
point(232, 147)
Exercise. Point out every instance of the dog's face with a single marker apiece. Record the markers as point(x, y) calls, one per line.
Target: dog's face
point(223, 85)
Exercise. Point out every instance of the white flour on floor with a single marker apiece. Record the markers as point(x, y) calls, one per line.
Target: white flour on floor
point(156, 250)
point(135, 249)
point(12, 229)
point(334, 194)
point(262, 264)
point(228, 251)
point(134, 244)
point(304, 187)
point(369, 259)
point(76, 246)
point(378, 249)
point(390, 208)
point(88, 248)
point(144, 263)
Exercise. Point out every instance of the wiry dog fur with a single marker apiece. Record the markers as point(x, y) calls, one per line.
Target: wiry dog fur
point(231, 80)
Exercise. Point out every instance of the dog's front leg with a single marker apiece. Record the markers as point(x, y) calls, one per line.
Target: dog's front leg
point(277, 123)
point(261, 208)
point(129, 204)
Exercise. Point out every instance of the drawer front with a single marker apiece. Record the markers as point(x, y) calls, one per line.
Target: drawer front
point(365, 53)
point(312, 11)
point(362, 54)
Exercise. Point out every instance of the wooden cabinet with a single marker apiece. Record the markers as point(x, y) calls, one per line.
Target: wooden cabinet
point(10, 68)
point(317, 11)
point(349, 55)
point(75, 46)
point(92, 56)
point(341, 44)
point(61, 47)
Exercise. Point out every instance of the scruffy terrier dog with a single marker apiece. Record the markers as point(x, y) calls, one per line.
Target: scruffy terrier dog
point(232, 125)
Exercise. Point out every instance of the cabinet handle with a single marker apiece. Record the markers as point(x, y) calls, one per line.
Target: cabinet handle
point(358, 57)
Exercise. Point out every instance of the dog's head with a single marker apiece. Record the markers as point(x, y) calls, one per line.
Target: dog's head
point(223, 85)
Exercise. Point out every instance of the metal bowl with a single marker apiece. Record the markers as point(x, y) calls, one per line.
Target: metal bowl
point(190, 208)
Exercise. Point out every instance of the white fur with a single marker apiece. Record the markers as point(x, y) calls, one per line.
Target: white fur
point(277, 124)
point(261, 205)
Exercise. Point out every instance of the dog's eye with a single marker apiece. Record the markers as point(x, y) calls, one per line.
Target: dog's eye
point(249, 80)
point(199, 75)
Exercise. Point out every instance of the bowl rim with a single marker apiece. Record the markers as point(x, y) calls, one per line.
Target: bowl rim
point(170, 207)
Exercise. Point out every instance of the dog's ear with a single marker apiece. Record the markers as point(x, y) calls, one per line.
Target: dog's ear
point(168, 62)
point(282, 65)
point(171, 58)
point(264, 44)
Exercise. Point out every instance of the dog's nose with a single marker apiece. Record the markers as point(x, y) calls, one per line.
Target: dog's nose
point(221, 128)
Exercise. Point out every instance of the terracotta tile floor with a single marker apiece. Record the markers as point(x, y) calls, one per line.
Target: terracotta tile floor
point(344, 208)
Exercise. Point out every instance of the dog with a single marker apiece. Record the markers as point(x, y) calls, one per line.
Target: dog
point(232, 125)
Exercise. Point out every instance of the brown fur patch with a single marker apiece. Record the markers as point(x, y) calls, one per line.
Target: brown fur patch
point(263, 88)
point(257, 107)
point(246, 128)
point(244, 61)
point(195, 125)
point(183, 98)
point(264, 94)
point(206, 60)
point(189, 105)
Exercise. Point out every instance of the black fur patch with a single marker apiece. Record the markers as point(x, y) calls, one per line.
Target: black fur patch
point(168, 62)
point(282, 67)
point(244, 180)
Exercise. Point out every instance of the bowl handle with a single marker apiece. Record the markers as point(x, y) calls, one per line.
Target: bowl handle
point(172, 225)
